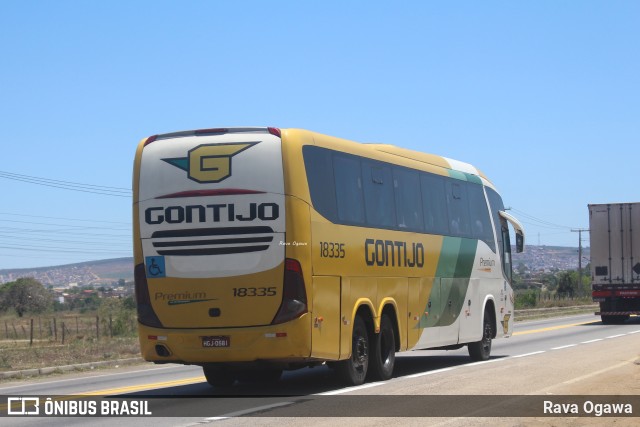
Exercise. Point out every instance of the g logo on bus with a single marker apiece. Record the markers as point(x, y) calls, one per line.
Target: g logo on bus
point(209, 162)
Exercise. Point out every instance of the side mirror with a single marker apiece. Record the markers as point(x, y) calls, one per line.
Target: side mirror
point(517, 228)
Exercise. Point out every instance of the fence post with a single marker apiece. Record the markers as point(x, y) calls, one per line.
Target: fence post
point(31, 334)
point(6, 329)
point(62, 333)
point(97, 327)
point(55, 329)
point(110, 326)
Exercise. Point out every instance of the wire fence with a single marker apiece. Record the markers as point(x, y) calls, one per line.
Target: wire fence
point(64, 329)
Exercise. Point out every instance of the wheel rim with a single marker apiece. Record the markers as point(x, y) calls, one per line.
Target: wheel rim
point(486, 338)
point(360, 353)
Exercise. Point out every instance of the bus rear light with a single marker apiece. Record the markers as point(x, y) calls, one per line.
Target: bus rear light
point(276, 335)
point(294, 295)
point(146, 315)
point(275, 131)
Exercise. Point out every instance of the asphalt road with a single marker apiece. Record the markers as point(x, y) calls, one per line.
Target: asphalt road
point(564, 356)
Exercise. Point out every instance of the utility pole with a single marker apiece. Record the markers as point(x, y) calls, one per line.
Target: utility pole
point(579, 231)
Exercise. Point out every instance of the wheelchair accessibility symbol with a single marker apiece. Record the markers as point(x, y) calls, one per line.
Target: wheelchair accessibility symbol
point(155, 266)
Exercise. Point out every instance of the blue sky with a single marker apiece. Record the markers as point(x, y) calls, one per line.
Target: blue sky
point(543, 96)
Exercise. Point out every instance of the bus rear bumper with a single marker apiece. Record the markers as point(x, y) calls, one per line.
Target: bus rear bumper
point(289, 341)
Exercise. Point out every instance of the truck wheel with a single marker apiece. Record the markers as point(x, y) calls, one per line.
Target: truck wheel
point(383, 351)
point(481, 350)
point(614, 320)
point(218, 376)
point(354, 369)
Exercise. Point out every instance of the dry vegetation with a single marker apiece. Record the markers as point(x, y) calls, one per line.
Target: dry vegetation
point(57, 340)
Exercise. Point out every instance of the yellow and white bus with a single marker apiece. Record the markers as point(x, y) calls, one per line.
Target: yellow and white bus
point(263, 249)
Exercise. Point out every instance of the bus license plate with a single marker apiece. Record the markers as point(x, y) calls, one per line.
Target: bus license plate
point(219, 341)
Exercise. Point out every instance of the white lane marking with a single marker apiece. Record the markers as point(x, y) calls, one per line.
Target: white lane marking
point(349, 389)
point(437, 371)
point(564, 346)
point(590, 341)
point(527, 354)
point(484, 362)
point(245, 412)
point(616, 336)
point(634, 332)
point(593, 374)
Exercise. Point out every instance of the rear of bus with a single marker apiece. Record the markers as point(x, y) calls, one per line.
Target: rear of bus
point(213, 286)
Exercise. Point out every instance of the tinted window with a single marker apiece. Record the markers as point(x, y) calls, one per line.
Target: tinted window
point(319, 166)
point(348, 183)
point(458, 208)
point(436, 219)
point(378, 194)
point(406, 185)
point(480, 219)
point(495, 202)
point(349, 189)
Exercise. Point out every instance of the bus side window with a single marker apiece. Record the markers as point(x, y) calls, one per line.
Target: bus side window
point(378, 194)
point(348, 181)
point(458, 207)
point(406, 186)
point(480, 219)
point(496, 204)
point(436, 219)
point(319, 166)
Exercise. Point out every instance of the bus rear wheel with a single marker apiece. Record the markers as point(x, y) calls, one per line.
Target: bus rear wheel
point(354, 369)
point(219, 377)
point(383, 351)
point(481, 350)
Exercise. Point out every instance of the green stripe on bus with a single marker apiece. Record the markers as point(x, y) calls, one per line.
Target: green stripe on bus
point(452, 281)
point(463, 176)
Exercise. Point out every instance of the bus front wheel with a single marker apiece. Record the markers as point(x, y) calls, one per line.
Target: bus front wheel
point(354, 369)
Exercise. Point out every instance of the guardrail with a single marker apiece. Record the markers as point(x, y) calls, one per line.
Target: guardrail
point(541, 313)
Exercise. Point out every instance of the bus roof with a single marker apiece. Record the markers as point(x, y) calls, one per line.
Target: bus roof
point(432, 159)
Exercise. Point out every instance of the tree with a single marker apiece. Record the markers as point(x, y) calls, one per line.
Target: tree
point(25, 295)
point(567, 282)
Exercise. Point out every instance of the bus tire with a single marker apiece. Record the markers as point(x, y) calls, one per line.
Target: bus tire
point(481, 350)
point(219, 377)
point(354, 370)
point(383, 351)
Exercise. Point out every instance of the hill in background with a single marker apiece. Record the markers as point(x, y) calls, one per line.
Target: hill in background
point(98, 273)
point(109, 271)
point(548, 259)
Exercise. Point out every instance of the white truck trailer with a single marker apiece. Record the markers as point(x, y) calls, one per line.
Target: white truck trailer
point(614, 230)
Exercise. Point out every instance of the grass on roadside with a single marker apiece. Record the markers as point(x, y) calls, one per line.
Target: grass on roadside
point(18, 355)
